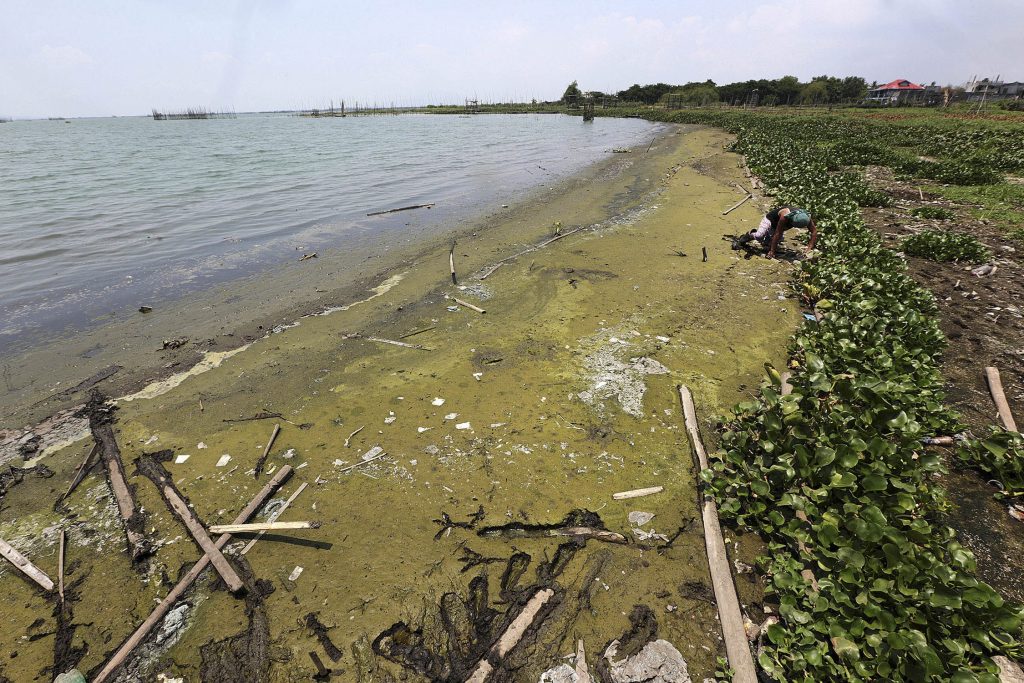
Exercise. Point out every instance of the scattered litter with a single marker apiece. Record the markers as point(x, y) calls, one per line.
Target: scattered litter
point(175, 343)
point(638, 518)
point(663, 340)
point(288, 454)
point(809, 316)
point(463, 425)
point(413, 462)
point(495, 425)
point(451, 416)
point(477, 376)
point(651, 535)
point(372, 453)
point(296, 573)
point(453, 309)
point(389, 419)
point(152, 439)
point(145, 309)
point(306, 257)
point(657, 662)
point(437, 401)
point(201, 445)
point(224, 460)
point(982, 271)
point(181, 458)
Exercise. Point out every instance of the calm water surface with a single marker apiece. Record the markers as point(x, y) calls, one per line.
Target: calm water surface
point(98, 216)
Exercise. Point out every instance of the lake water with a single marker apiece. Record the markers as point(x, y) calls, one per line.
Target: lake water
point(98, 216)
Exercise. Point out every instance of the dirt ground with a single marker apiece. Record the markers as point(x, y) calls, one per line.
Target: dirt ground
point(983, 320)
point(497, 427)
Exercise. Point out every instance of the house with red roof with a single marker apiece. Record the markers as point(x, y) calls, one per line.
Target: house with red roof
point(900, 91)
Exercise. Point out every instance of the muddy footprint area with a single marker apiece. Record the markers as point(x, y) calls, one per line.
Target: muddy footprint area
point(981, 313)
point(463, 480)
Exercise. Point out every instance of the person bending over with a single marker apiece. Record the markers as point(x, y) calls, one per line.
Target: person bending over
point(774, 224)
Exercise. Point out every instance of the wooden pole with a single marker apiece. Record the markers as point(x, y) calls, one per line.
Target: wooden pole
point(511, 637)
point(737, 205)
point(729, 614)
point(79, 474)
point(637, 493)
point(178, 506)
point(253, 527)
point(27, 568)
point(136, 638)
point(103, 433)
point(468, 305)
point(60, 567)
point(273, 517)
point(995, 386)
point(451, 263)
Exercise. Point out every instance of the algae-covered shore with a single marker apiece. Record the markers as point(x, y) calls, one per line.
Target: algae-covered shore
point(560, 395)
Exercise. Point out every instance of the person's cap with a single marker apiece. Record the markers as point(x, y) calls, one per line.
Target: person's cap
point(799, 218)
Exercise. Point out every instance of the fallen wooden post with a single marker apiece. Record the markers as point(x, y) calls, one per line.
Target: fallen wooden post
point(451, 263)
point(100, 417)
point(995, 386)
point(266, 452)
point(543, 244)
point(637, 493)
point(729, 614)
point(511, 637)
point(468, 305)
point(419, 331)
point(363, 462)
point(27, 568)
point(60, 567)
point(261, 526)
point(381, 340)
point(737, 205)
point(136, 638)
point(151, 467)
point(401, 208)
point(273, 517)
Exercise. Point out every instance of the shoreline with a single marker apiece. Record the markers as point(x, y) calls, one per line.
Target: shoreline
point(231, 314)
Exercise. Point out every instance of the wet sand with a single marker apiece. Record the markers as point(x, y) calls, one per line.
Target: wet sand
point(548, 407)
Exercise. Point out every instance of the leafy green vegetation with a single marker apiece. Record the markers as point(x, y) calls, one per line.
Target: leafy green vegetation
point(933, 212)
point(1000, 456)
point(946, 245)
point(869, 581)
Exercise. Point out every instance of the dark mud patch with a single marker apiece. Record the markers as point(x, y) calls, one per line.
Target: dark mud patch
point(245, 656)
point(312, 622)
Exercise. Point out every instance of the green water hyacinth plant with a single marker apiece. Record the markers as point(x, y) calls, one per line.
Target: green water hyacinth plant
point(870, 583)
point(999, 456)
point(933, 213)
point(946, 245)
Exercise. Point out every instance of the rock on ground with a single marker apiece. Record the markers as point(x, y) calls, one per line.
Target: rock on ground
point(658, 662)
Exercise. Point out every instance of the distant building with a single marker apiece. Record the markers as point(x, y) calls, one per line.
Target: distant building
point(900, 91)
point(987, 89)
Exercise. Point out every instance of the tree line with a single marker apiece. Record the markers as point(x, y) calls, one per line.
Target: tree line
point(779, 91)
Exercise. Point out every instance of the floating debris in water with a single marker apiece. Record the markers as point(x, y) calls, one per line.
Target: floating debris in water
point(463, 425)
point(372, 453)
point(438, 401)
point(201, 445)
point(181, 458)
point(224, 460)
point(451, 416)
point(296, 573)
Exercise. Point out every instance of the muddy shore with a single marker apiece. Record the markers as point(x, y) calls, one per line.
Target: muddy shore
point(560, 395)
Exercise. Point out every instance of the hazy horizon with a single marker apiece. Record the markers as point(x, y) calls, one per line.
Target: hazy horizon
point(64, 59)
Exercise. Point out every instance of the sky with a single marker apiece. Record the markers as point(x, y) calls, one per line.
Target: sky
point(102, 58)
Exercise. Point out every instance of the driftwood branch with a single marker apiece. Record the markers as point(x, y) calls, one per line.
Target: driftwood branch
point(60, 566)
point(451, 263)
point(79, 475)
point(140, 634)
point(401, 208)
point(736, 647)
point(737, 205)
point(27, 568)
point(637, 493)
point(468, 305)
point(266, 452)
point(995, 386)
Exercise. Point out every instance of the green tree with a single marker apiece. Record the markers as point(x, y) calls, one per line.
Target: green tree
point(571, 92)
point(815, 92)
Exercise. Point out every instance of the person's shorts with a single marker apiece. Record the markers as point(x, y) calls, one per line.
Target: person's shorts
point(764, 232)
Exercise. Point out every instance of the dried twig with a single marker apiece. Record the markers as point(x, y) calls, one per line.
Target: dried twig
point(353, 434)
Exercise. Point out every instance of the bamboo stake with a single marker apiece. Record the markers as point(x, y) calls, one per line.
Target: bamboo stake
point(406, 345)
point(79, 474)
point(266, 452)
point(451, 263)
point(511, 637)
point(737, 205)
point(261, 526)
point(27, 568)
point(273, 517)
point(60, 567)
point(468, 305)
point(995, 386)
point(729, 614)
point(136, 638)
point(637, 493)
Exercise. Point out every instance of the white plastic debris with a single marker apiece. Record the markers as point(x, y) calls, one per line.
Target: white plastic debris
point(663, 340)
point(420, 430)
point(288, 454)
point(152, 439)
point(296, 573)
point(657, 662)
point(201, 445)
point(224, 460)
point(477, 376)
point(438, 401)
point(181, 458)
point(451, 416)
point(372, 453)
point(463, 425)
point(638, 518)
point(389, 419)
